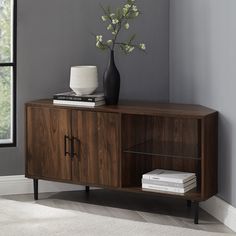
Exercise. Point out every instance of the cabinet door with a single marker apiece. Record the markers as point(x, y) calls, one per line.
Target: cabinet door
point(45, 155)
point(98, 148)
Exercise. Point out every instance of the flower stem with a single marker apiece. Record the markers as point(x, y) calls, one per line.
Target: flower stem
point(119, 27)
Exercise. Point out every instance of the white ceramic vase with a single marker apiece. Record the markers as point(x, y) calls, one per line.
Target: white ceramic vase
point(83, 79)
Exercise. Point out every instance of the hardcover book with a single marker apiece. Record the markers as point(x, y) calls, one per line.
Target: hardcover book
point(169, 176)
point(72, 96)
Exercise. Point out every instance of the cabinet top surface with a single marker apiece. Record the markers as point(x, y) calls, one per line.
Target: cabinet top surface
point(139, 108)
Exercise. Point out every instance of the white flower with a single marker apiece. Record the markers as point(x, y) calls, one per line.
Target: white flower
point(99, 38)
point(109, 27)
point(104, 18)
point(134, 8)
point(125, 11)
point(136, 13)
point(126, 25)
point(112, 15)
point(114, 32)
point(115, 21)
point(131, 49)
point(128, 48)
point(98, 44)
point(127, 6)
point(109, 42)
point(142, 46)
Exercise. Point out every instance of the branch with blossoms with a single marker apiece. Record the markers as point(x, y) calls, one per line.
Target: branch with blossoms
point(116, 21)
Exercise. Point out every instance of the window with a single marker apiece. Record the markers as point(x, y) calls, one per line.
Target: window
point(7, 73)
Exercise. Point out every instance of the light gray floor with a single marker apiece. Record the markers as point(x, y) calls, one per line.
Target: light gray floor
point(138, 207)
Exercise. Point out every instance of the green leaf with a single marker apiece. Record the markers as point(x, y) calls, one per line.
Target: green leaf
point(122, 47)
point(102, 46)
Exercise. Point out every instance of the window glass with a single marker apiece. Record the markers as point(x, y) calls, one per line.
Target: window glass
point(5, 104)
point(7, 72)
point(6, 17)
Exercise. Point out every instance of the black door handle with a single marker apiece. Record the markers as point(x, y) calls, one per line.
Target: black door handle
point(65, 145)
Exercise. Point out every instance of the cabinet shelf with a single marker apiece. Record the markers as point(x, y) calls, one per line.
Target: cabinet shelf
point(192, 194)
point(166, 149)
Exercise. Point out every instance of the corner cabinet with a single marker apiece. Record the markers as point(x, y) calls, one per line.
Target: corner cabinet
point(112, 146)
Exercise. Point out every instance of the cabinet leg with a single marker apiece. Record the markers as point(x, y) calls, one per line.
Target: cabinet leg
point(87, 189)
point(196, 212)
point(189, 203)
point(36, 181)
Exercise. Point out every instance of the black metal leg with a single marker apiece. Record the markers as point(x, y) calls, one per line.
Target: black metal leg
point(189, 203)
point(196, 212)
point(36, 181)
point(87, 189)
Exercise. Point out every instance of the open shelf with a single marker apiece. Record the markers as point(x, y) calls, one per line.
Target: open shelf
point(192, 194)
point(166, 149)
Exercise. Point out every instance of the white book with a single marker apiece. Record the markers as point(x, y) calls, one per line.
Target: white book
point(78, 103)
point(168, 189)
point(169, 184)
point(169, 176)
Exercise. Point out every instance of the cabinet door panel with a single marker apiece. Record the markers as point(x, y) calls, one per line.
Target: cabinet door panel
point(46, 128)
point(99, 142)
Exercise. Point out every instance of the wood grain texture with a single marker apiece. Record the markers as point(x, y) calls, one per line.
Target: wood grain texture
point(46, 128)
point(142, 108)
point(113, 146)
point(99, 154)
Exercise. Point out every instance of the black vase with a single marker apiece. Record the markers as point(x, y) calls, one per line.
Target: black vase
point(111, 82)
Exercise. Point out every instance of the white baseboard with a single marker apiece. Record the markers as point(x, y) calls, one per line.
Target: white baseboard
point(221, 210)
point(18, 184)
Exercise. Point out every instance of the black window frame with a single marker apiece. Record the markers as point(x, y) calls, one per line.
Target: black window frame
point(13, 65)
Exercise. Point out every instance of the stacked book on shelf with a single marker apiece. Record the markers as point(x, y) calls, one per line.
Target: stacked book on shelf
point(72, 99)
point(169, 181)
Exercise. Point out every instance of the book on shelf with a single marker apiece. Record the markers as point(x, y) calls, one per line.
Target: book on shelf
point(169, 176)
point(72, 96)
point(169, 189)
point(78, 103)
point(168, 184)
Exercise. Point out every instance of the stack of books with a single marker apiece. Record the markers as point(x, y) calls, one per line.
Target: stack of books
point(71, 99)
point(169, 181)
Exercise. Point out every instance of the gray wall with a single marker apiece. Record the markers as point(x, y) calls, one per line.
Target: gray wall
point(203, 70)
point(56, 34)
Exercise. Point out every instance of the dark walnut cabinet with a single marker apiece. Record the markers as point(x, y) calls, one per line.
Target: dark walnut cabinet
point(73, 145)
point(112, 146)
